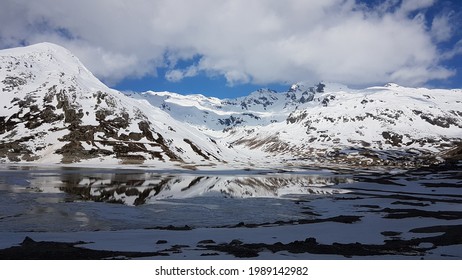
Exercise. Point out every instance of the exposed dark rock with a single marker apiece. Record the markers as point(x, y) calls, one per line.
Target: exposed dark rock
point(296, 118)
point(16, 150)
point(390, 233)
point(47, 250)
point(411, 213)
point(393, 138)
point(396, 246)
point(170, 227)
point(146, 130)
point(196, 149)
point(207, 241)
point(311, 246)
point(344, 219)
point(231, 121)
point(440, 120)
point(13, 82)
point(454, 154)
point(320, 87)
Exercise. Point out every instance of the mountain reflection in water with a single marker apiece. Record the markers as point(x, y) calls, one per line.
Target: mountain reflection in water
point(146, 188)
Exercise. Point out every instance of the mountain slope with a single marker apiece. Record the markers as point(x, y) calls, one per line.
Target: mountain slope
point(54, 110)
point(330, 123)
point(378, 125)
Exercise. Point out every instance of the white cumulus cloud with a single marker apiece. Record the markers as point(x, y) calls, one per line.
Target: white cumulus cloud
point(245, 41)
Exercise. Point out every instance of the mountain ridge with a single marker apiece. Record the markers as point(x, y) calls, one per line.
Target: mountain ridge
point(54, 110)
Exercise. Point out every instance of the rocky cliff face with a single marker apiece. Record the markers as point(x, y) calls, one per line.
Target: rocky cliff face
point(53, 110)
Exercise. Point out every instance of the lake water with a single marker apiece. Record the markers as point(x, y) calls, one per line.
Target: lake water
point(414, 214)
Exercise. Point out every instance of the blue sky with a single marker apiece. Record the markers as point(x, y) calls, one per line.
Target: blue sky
point(230, 48)
point(201, 84)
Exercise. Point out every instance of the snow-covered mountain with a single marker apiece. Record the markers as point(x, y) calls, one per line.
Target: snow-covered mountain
point(379, 125)
point(54, 110)
point(329, 123)
point(259, 108)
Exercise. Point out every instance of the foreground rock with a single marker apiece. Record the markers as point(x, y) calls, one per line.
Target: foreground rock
point(46, 250)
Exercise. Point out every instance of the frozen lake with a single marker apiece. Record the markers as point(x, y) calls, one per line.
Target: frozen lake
point(304, 214)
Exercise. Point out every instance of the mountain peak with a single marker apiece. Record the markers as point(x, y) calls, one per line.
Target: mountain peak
point(38, 61)
point(392, 85)
point(44, 47)
point(47, 46)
